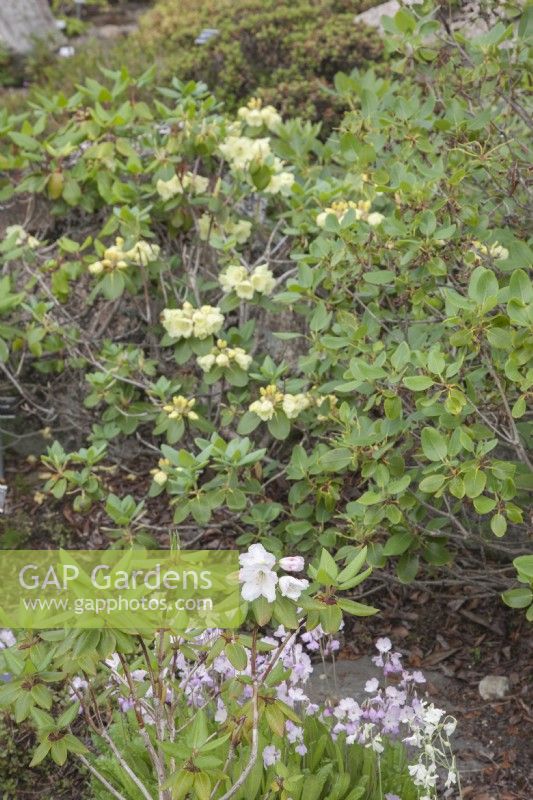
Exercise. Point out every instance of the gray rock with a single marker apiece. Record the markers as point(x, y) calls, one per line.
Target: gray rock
point(372, 16)
point(493, 687)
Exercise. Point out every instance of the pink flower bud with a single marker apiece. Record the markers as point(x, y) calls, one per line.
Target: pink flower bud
point(292, 563)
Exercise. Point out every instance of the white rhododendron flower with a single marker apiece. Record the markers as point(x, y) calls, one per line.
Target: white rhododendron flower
point(254, 115)
point(257, 556)
point(232, 277)
point(292, 587)
point(263, 280)
point(294, 404)
point(197, 184)
point(181, 407)
point(143, 253)
point(281, 183)
point(96, 268)
point(264, 408)
point(207, 320)
point(223, 356)
point(160, 477)
point(206, 362)
point(375, 218)
point(23, 237)
point(241, 151)
point(177, 322)
point(236, 278)
point(341, 207)
point(187, 321)
point(292, 563)
point(257, 575)
point(115, 257)
point(493, 250)
point(241, 230)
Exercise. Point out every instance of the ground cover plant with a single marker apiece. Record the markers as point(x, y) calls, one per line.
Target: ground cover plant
point(319, 340)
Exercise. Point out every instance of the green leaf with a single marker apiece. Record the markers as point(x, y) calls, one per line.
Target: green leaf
point(433, 444)
point(407, 567)
point(475, 481)
point(432, 483)
point(521, 597)
point(328, 571)
point(279, 426)
point(483, 285)
point(40, 753)
point(398, 543)
point(357, 609)
point(417, 383)
point(498, 525)
point(248, 423)
point(354, 566)
point(236, 655)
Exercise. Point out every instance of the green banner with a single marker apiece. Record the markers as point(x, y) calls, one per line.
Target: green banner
point(133, 590)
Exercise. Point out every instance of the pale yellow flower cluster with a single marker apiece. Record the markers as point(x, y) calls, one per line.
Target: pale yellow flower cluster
point(179, 184)
point(181, 408)
point(281, 182)
point(223, 356)
point(187, 321)
point(493, 250)
point(272, 399)
point(341, 207)
point(240, 229)
point(115, 257)
point(237, 278)
point(254, 115)
point(23, 237)
point(242, 152)
point(160, 474)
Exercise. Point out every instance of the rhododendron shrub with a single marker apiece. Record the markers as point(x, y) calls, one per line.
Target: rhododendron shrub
point(325, 339)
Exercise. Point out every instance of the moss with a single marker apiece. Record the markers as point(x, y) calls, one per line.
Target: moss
point(287, 52)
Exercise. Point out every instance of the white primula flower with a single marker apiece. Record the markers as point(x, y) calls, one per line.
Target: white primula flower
point(263, 280)
point(292, 587)
point(264, 408)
